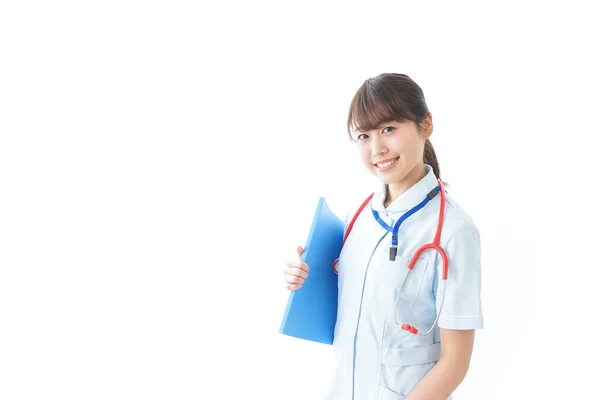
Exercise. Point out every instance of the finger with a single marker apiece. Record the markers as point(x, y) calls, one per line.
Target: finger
point(300, 250)
point(298, 264)
point(295, 279)
point(293, 282)
point(297, 272)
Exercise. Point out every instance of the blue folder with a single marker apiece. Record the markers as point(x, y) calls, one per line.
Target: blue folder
point(311, 311)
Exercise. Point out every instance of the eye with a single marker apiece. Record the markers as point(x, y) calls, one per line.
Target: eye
point(362, 136)
point(388, 129)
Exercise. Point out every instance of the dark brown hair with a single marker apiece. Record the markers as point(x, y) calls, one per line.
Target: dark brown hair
point(390, 97)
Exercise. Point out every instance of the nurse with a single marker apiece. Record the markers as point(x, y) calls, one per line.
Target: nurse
point(378, 356)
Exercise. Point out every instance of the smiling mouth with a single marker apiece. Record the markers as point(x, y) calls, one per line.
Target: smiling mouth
point(387, 164)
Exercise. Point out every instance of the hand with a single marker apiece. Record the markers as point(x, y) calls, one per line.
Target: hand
point(296, 272)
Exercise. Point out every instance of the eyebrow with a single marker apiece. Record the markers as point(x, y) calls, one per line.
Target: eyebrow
point(384, 123)
point(380, 126)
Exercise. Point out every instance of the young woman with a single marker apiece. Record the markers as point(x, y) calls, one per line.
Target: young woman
point(407, 314)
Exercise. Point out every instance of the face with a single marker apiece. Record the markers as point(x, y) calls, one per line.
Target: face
point(394, 151)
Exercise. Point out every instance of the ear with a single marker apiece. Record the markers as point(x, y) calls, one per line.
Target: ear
point(427, 126)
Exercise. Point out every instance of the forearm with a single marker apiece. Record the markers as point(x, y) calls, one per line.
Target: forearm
point(441, 381)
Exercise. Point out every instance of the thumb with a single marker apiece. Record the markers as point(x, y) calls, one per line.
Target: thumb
point(300, 250)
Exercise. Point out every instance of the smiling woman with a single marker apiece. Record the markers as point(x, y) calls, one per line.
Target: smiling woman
point(392, 131)
point(414, 258)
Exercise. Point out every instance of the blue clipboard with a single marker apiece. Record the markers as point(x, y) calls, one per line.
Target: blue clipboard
point(311, 311)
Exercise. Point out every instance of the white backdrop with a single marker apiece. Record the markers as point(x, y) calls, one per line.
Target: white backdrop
point(159, 162)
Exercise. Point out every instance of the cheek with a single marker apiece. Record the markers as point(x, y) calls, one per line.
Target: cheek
point(364, 154)
point(412, 149)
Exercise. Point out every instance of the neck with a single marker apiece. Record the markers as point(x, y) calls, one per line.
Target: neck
point(395, 190)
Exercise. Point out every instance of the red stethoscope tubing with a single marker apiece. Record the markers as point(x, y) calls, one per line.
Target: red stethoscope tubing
point(435, 244)
point(364, 204)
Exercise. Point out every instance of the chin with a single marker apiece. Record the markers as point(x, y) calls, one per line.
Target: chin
point(386, 178)
point(392, 178)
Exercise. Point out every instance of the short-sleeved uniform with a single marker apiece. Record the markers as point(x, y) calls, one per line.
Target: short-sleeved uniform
point(376, 359)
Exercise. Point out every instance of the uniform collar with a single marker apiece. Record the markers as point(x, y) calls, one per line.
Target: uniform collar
point(408, 199)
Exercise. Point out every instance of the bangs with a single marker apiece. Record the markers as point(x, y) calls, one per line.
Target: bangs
point(375, 104)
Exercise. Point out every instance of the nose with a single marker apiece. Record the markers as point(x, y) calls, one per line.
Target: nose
point(378, 146)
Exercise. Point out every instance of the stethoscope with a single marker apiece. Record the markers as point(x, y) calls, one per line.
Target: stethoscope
point(434, 245)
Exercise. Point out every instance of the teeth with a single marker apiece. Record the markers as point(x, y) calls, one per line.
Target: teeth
point(386, 164)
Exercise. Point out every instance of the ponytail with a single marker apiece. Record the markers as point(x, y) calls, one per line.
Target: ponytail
point(430, 158)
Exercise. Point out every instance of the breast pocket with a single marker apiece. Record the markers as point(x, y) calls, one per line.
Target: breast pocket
point(403, 297)
point(398, 289)
point(415, 301)
point(403, 368)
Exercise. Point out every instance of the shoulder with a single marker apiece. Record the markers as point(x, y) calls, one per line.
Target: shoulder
point(458, 224)
point(357, 204)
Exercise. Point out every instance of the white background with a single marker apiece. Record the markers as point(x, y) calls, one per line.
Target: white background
point(159, 162)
